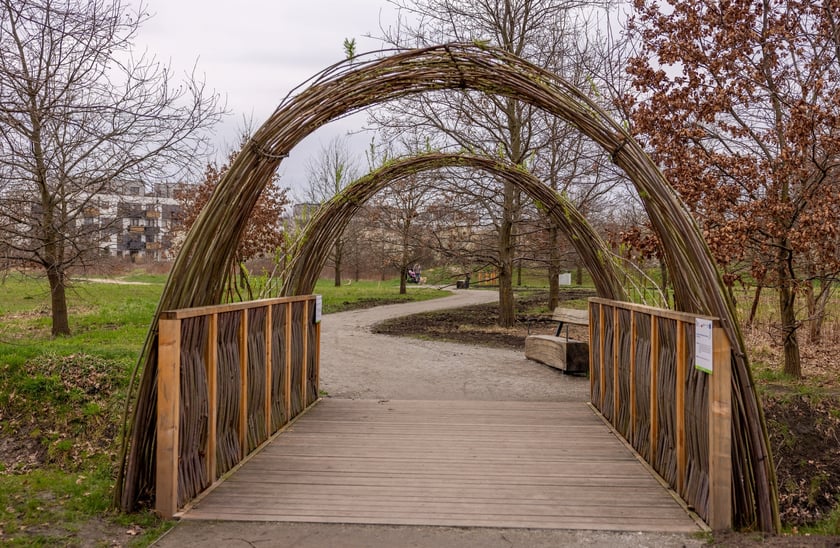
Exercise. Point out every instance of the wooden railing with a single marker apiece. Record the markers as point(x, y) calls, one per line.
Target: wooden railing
point(677, 417)
point(229, 377)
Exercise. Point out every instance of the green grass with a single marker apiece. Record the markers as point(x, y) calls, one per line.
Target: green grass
point(63, 397)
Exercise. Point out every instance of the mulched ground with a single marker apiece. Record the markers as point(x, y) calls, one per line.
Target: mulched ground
point(804, 429)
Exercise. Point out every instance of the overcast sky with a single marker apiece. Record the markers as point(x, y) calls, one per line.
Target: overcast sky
point(254, 52)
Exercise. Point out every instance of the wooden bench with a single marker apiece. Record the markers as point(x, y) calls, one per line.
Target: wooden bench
point(558, 350)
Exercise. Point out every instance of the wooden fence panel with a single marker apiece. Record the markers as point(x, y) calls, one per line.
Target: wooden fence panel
point(678, 418)
point(230, 376)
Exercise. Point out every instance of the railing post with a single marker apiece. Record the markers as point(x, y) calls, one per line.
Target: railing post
point(592, 341)
point(304, 369)
point(268, 372)
point(632, 380)
point(317, 361)
point(679, 405)
point(654, 390)
point(243, 384)
point(168, 419)
point(601, 346)
point(616, 360)
point(287, 382)
point(211, 363)
point(720, 434)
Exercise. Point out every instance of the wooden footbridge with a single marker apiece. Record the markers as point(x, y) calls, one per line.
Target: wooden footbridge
point(242, 434)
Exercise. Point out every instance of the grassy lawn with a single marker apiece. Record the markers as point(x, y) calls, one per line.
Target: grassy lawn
point(61, 401)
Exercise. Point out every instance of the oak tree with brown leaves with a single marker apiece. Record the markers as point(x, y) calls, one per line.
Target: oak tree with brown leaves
point(264, 235)
point(740, 102)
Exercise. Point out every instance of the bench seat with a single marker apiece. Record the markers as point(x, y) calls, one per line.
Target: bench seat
point(561, 352)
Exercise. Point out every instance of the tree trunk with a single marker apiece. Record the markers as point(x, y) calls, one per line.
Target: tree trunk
point(665, 281)
point(754, 305)
point(553, 267)
point(817, 301)
point(519, 274)
point(787, 313)
point(58, 301)
point(403, 276)
point(578, 274)
point(507, 315)
point(337, 262)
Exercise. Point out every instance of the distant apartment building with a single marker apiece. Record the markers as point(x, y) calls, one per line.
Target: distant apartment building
point(137, 221)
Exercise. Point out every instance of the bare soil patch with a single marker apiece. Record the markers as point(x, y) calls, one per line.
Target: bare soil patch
point(478, 324)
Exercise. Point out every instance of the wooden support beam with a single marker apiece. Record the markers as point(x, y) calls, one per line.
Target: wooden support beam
point(602, 345)
point(592, 339)
point(317, 363)
point(168, 417)
point(720, 434)
point(268, 372)
point(287, 381)
point(679, 407)
point(243, 384)
point(633, 414)
point(654, 392)
point(304, 398)
point(212, 364)
point(615, 365)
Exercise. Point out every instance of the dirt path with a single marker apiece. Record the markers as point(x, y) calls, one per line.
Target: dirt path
point(356, 363)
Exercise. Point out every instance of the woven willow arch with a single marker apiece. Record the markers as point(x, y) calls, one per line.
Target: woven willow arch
point(310, 254)
point(198, 275)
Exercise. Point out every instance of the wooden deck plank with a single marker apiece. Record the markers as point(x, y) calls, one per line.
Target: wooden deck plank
point(483, 464)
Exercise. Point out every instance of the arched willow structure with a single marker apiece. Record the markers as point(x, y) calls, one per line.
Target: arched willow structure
point(311, 251)
point(199, 273)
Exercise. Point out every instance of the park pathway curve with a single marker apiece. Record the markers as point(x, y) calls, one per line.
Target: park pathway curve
point(356, 363)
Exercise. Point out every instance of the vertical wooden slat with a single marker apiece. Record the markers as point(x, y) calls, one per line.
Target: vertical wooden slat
point(304, 369)
point(243, 382)
point(592, 350)
point(679, 404)
point(317, 363)
point(632, 429)
point(212, 365)
point(168, 420)
point(601, 343)
point(287, 382)
point(268, 379)
point(720, 434)
point(616, 360)
point(654, 407)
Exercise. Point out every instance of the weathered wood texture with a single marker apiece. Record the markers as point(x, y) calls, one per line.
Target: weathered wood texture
point(224, 380)
point(464, 463)
point(678, 418)
point(559, 351)
point(566, 355)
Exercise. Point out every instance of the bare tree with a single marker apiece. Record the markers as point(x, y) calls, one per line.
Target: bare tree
point(539, 30)
point(332, 170)
point(79, 114)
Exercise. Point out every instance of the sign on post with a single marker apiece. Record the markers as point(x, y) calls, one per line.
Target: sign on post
point(703, 349)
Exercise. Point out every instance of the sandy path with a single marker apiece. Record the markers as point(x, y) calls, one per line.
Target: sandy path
point(356, 363)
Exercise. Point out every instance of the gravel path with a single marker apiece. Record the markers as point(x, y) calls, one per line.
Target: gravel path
point(356, 363)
